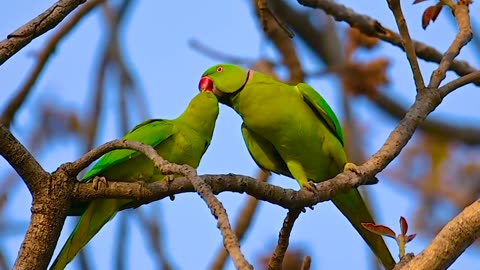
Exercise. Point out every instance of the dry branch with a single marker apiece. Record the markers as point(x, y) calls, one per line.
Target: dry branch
point(16, 102)
point(276, 260)
point(450, 242)
point(407, 43)
point(36, 27)
point(372, 27)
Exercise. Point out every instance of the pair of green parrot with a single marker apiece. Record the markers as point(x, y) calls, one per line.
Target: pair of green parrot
point(289, 130)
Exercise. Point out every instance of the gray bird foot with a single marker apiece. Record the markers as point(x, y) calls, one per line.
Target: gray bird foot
point(97, 180)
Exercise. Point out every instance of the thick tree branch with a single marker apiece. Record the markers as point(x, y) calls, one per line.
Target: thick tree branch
point(450, 242)
point(22, 161)
point(36, 27)
point(16, 102)
point(372, 27)
point(276, 260)
point(230, 240)
point(407, 43)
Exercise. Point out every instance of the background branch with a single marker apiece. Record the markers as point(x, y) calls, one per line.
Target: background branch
point(16, 102)
point(36, 27)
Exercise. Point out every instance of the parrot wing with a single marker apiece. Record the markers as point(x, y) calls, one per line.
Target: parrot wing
point(322, 109)
point(151, 132)
point(264, 153)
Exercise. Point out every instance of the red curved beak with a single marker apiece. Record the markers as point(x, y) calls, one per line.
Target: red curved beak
point(205, 84)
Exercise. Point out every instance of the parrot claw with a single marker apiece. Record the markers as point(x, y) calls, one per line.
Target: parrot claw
point(168, 178)
point(97, 180)
point(310, 186)
point(353, 168)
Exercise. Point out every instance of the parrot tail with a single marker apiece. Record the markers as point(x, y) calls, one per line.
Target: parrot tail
point(353, 207)
point(98, 213)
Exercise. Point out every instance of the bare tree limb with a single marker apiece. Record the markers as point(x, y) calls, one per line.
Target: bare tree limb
point(407, 43)
point(242, 224)
point(230, 240)
point(22, 161)
point(16, 102)
point(311, 35)
point(372, 27)
point(450, 242)
point(282, 42)
point(36, 27)
point(464, 35)
point(276, 260)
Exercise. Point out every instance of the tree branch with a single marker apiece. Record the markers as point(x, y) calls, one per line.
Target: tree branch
point(464, 35)
point(16, 102)
point(407, 43)
point(22, 161)
point(276, 260)
point(372, 27)
point(230, 240)
point(242, 224)
point(450, 242)
point(276, 33)
point(36, 27)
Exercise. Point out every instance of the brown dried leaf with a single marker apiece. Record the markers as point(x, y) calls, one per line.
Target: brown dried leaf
point(358, 39)
point(431, 14)
point(364, 78)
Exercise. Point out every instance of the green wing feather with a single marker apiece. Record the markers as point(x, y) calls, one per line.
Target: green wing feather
point(322, 109)
point(161, 130)
point(264, 153)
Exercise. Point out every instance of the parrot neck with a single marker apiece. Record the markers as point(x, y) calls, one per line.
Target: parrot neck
point(227, 98)
point(202, 123)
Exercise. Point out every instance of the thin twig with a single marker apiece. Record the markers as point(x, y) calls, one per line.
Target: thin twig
point(407, 43)
point(306, 264)
point(36, 27)
point(464, 35)
point(276, 260)
point(459, 82)
point(75, 167)
point(245, 218)
point(212, 53)
point(230, 240)
point(266, 14)
point(14, 104)
point(450, 242)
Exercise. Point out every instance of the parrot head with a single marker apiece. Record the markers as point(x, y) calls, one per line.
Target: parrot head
point(224, 80)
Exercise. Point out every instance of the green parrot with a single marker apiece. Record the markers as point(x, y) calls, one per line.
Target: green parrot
point(183, 140)
point(291, 130)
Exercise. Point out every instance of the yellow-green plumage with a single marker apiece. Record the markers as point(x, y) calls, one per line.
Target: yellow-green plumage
point(183, 140)
point(291, 130)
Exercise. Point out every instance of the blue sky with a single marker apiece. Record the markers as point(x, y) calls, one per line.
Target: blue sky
point(156, 40)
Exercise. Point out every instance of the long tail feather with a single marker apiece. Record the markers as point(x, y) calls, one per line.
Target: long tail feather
point(353, 207)
point(97, 214)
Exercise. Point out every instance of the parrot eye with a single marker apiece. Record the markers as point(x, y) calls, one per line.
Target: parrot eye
point(219, 69)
